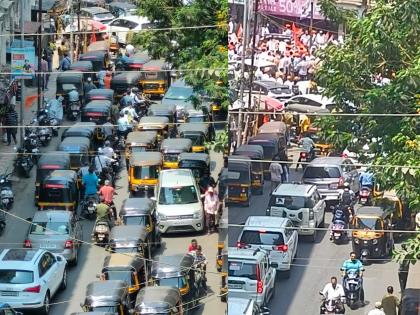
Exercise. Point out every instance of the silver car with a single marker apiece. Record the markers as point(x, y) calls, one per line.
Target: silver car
point(56, 231)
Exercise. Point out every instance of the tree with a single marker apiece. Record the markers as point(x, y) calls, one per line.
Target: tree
point(383, 43)
point(192, 48)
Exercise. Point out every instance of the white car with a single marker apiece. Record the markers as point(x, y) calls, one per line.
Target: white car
point(315, 100)
point(122, 25)
point(29, 278)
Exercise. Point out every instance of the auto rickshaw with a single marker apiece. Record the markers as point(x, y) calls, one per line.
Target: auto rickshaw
point(69, 78)
point(155, 81)
point(59, 191)
point(100, 60)
point(223, 183)
point(180, 271)
point(78, 148)
point(171, 149)
point(222, 254)
point(130, 268)
point(198, 163)
point(137, 61)
point(83, 66)
point(239, 180)
point(81, 129)
point(270, 144)
point(193, 115)
point(159, 300)
point(141, 211)
point(158, 124)
point(143, 172)
point(368, 238)
point(197, 133)
point(99, 95)
point(140, 141)
point(47, 163)
point(410, 300)
point(256, 154)
point(158, 110)
point(130, 239)
point(98, 112)
point(121, 82)
point(278, 128)
point(100, 45)
point(107, 296)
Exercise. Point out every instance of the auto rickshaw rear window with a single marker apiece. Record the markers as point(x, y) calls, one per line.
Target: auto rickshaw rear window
point(368, 223)
point(138, 149)
point(322, 172)
point(178, 195)
point(196, 139)
point(145, 172)
point(48, 228)
point(106, 309)
point(142, 220)
point(178, 282)
point(290, 202)
point(126, 250)
point(170, 157)
point(242, 269)
point(197, 119)
point(262, 238)
point(119, 275)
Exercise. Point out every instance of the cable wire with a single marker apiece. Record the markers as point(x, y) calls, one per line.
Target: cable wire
point(86, 125)
point(328, 114)
point(116, 71)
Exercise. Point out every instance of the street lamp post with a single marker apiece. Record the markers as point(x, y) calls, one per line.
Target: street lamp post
point(40, 76)
point(311, 25)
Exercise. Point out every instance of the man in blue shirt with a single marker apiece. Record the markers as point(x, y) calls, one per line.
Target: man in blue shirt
point(366, 180)
point(90, 182)
point(65, 63)
point(354, 266)
point(126, 99)
point(101, 78)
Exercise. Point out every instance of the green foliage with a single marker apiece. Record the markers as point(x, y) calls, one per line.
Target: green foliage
point(220, 143)
point(334, 13)
point(411, 251)
point(194, 48)
point(384, 42)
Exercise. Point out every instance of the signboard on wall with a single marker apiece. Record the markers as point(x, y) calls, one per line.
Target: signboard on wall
point(23, 63)
point(294, 8)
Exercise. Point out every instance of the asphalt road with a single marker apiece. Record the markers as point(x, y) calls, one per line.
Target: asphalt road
point(91, 257)
point(314, 265)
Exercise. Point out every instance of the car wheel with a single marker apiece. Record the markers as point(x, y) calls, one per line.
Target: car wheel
point(63, 285)
point(76, 257)
point(313, 237)
point(273, 292)
point(46, 308)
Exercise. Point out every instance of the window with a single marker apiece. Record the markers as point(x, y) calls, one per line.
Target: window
point(8, 276)
point(145, 172)
point(322, 172)
point(262, 237)
point(242, 269)
point(289, 230)
point(131, 25)
point(290, 202)
point(118, 22)
point(368, 223)
point(178, 195)
point(141, 220)
point(48, 228)
point(119, 275)
point(45, 264)
point(8, 311)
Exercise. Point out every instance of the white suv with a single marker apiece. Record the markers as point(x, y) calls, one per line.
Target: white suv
point(29, 278)
point(179, 205)
point(251, 275)
point(274, 235)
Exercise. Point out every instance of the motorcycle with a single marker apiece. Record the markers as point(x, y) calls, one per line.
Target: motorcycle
point(73, 110)
point(365, 196)
point(89, 207)
point(6, 193)
point(24, 162)
point(338, 233)
point(101, 232)
point(31, 143)
point(332, 306)
point(44, 131)
point(353, 290)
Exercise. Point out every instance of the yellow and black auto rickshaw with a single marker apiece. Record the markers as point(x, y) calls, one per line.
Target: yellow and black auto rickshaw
point(158, 124)
point(133, 239)
point(159, 300)
point(198, 163)
point(256, 154)
point(141, 211)
point(84, 130)
point(271, 145)
point(372, 236)
point(155, 79)
point(47, 163)
point(121, 82)
point(140, 141)
point(239, 180)
point(59, 191)
point(130, 268)
point(171, 149)
point(222, 254)
point(143, 172)
point(78, 148)
point(69, 79)
point(111, 296)
point(197, 133)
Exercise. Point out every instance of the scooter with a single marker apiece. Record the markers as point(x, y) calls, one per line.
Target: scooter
point(338, 233)
point(24, 162)
point(332, 306)
point(365, 196)
point(6, 193)
point(353, 290)
point(73, 110)
point(101, 232)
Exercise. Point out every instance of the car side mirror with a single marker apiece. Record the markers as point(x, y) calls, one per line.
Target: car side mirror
point(29, 219)
point(59, 258)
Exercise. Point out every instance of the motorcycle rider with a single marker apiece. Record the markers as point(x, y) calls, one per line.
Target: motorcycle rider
point(102, 164)
point(108, 192)
point(130, 111)
point(89, 85)
point(366, 180)
point(126, 98)
point(103, 211)
point(308, 146)
point(107, 150)
point(124, 126)
point(334, 291)
point(354, 266)
point(74, 96)
point(347, 196)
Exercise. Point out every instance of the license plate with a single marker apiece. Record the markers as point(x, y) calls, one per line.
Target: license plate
point(101, 235)
point(48, 246)
point(24, 164)
point(42, 137)
point(178, 223)
point(337, 234)
point(234, 286)
point(9, 293)
point(363, 199)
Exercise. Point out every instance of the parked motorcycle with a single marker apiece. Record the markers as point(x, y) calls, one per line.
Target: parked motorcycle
point(31, 143)
point(24, 162)
point(44, 134)
point(353, 290)
point(365, 196)
point(6, 193)
point(101, 232)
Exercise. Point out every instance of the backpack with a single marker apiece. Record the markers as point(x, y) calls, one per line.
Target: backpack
point(346, 198)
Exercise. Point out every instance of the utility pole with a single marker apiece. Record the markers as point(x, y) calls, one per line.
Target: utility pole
point(40, 76)
point(311, 22)
point(71, 30)
point(254, 46)
point(241, 91)
point(22, 81)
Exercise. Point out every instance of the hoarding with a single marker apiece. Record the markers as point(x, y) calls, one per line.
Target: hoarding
point(23, 63)
point(294, 8)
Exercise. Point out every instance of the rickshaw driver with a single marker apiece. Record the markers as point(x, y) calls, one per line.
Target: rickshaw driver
point(107, 193)
point(126, 98)
point(103, 211)
point(124, 126)
point(74, 96)
point(107, 150)
point(130, 111)
point(200, 261)
point(89, 85)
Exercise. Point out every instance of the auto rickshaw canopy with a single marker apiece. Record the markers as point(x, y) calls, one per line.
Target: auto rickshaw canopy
point(69, 77)
point(126, 78)
point(137, 61)
point(54, 160)
point(254, 152)
point(277, 127)
point(172, 266)
point(159, 110)
point(98, 58)
point(123, 262)
point(137, 206)
point(100, 94)
point(79, 129)
point(239, 169)
point(159, 300)
point(123, 234)
point(193, 128)
point(146, 158)
point(140, 138)
point(176, 145)
point(83, 66)
point(153, 123)
point(74, 145)
point(105, 293)
point(200, 159)
point(100, 45)
point(63, 178)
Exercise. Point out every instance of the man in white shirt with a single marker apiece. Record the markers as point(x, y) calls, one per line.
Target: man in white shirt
point(123, 126)
point(378, 310)
point(276, 170)
point(305, 38)
point(102, 161)
point(333, 291)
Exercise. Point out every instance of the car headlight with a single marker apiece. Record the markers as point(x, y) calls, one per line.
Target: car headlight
point(356, 241)
point(197, 215)
point(375, 241)
point(162, 217)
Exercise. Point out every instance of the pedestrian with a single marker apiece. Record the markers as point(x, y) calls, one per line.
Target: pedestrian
point(89, 85)
point(193, 246)
point(11, 119)
point(115, 113)
point(44, 70)
point(390, 302)
point(377, 310)
point(276, 171)
point(62, 49)
point(403, 270)
point(65, 63)
point(211, 206)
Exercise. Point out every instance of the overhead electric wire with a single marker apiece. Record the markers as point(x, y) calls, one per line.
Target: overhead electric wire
point(326, 114)
point(86, 125)
point(117, 71)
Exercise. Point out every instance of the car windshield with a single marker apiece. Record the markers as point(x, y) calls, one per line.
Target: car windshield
point(281, 90)
point(105, 15)
point(170, 157)
point(138, 149)
point(179, 93)
point(145, 172)
point(262, 237)
point(16, 276)
point(173, 282)
point(368, 223)
point(45, 228)
point(322, 172)
point(178, 195)
point(289, 202)
point(197, 119)
point(241, 269)
point(142, 220)
point(119, 275)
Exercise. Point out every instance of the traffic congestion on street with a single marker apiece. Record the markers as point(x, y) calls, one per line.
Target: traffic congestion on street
point(320, 219)
point(110, 193)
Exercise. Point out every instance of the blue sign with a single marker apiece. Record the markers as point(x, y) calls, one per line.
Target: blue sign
point(23, 63)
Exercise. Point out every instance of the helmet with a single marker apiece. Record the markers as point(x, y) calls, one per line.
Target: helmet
point(135, 90)
point(107, 143)
point(89, 79)
point(346, 185)
point(100, 152)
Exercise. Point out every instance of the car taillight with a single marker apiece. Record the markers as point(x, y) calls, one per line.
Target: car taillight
point(364, 193)
point(27, 244)
point(311, 214)
point(68, 244)
point(240, 245)
point(36, 289)
point(303, 154)
point(281, 248)
point(260, 287)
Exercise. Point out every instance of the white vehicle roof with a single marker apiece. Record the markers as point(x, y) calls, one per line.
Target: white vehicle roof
point(240, 306)
point(134, 18)
point(235, 253)
point(19, 258)
point(176, 177)
point(255, 223)
point(294, 190)
point(316, 98)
